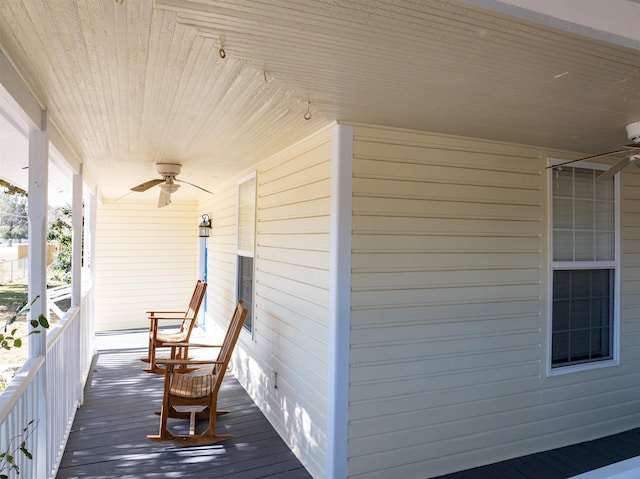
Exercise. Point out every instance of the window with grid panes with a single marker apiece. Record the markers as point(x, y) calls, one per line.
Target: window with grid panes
point(583, 266)
point(245, 247)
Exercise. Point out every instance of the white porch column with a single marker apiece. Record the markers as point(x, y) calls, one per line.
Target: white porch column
point(339, 302)
point(38, 205)
point(76, 240)
point(89, 255)
point(91, 211)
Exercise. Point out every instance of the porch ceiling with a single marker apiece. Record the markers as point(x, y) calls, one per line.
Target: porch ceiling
point(141, 81)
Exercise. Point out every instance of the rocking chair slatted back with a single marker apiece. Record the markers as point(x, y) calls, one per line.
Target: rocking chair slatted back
point(230, 340)
point(160, 339)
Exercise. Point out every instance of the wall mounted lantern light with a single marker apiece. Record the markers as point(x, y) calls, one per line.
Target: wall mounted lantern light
point(204, 228)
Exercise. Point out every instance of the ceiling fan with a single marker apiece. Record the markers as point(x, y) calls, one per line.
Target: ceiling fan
point(168, 183)
point(631, 158)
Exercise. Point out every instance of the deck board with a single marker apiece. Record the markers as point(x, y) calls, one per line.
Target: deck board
point(108, 436)
point(560, 463)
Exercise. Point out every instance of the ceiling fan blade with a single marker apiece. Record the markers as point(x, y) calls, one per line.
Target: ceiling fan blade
point(164, 199)
point(196, 186)
point(146, 185)
point(599, 155)
point(619, 166)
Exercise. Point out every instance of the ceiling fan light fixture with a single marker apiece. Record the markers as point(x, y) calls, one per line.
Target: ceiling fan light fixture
point(169, 187)
point(167, 183)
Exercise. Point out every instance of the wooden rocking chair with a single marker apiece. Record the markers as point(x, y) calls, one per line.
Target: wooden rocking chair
point(197, 390)
point(160, 339)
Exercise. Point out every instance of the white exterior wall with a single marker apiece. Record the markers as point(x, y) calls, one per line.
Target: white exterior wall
point(449, 300)
point(146, 258)
point(449, 311)
point(291, 277)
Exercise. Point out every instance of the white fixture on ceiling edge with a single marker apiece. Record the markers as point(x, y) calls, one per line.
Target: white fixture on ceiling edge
point(633, 131)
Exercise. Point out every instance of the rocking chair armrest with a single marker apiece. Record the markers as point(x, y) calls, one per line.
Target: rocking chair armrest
point(153, 311)
point(173, 318)
point(186, 362)
point(192, 345)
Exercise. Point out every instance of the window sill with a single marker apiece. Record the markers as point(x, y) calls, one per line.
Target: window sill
point(560, 371)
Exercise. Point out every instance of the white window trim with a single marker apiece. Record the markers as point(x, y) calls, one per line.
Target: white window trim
point(615, 360)
point(246, 253)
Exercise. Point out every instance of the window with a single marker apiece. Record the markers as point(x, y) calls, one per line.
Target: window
point(246, 241)
point(584, 267)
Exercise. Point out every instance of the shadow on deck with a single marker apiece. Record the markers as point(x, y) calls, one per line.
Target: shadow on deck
point(108, 437)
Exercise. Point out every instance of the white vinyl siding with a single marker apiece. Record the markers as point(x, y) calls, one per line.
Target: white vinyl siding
point(222, 251)
point(449, 324)
point(146, 258)
point(449, 305)
point(291, 267)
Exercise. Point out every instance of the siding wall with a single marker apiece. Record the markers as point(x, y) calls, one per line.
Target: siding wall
point(291, 292)
point(146, 258)
point(449, 311)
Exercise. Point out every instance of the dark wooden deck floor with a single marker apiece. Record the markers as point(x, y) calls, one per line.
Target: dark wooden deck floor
point(108, 437)
point(561, 463)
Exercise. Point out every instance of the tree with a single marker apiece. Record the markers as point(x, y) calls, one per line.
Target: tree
point(60, 231)
point(14, 221)
point(14, 224)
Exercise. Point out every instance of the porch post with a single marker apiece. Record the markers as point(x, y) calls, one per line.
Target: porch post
point(76, 240)
point(38, 205)
point(90, 215)
point(89, 255)
point(339, 302)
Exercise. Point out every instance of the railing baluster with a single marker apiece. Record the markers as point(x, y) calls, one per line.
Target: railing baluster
point(67, 363)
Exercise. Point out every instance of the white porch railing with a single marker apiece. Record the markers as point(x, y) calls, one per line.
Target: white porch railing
point(48, 391)
point(55, 294)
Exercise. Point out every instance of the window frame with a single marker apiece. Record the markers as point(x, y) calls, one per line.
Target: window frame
point(584, 265)
point(249, 324)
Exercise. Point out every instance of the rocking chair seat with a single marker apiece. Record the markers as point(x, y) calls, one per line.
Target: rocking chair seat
point(191, 387)
point(171, 337)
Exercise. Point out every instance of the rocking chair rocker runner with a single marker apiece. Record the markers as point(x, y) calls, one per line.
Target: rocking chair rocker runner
point(159, 339)
point(197, 389)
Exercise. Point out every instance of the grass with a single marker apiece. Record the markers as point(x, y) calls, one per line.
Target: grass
point(12, 297)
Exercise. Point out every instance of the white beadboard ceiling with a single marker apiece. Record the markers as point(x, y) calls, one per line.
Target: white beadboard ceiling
point(141, 81)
